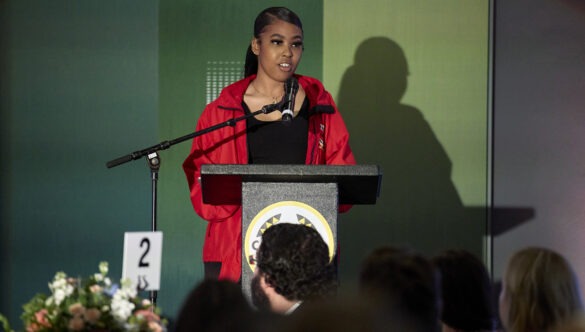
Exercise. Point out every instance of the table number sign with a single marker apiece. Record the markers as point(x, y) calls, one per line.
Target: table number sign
point(142, 259)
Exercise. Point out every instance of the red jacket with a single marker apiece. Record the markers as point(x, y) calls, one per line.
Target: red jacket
point(328, 143)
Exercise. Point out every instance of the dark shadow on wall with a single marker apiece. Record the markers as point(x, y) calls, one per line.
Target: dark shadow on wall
point(419, 206)
point(505, 219)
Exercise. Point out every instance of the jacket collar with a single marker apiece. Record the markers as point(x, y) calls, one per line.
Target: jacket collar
point(231, 97)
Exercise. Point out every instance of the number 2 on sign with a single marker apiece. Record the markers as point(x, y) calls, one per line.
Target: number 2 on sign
point(141, 262)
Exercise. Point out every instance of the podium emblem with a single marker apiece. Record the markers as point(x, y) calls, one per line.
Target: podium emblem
point(293, 212)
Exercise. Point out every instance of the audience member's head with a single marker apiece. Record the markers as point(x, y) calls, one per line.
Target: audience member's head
point(215, 306)
point(466, 291)
point(292, 265)
point(539, 291)
point(405, 284)
point(347, 315)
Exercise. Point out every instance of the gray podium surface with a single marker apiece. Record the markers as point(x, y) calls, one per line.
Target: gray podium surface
point(271, 194)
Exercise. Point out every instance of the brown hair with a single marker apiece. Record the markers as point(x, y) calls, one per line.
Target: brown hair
point(541, 289)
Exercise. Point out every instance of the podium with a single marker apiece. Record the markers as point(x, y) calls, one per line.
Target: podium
point(304, 194)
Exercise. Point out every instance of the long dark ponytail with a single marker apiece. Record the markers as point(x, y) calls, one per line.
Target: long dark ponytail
point(267, 17)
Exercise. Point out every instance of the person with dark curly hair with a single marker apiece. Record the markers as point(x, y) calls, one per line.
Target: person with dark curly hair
point(292, 266)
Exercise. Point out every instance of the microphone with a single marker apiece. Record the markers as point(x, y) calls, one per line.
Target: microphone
point(291, 86)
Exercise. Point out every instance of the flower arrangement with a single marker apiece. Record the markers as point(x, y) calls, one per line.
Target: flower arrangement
point(92, 304)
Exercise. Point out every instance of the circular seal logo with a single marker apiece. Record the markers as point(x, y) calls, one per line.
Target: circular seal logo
point(292, 212)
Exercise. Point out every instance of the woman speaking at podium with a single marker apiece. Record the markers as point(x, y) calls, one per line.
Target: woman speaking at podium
point(313, 132)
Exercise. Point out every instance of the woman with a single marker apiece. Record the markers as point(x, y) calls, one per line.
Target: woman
point(539, 291)
point(316, 134)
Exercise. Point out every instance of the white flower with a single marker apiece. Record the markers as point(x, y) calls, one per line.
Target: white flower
point(58, 283)
point(128, 288)
point(98, 277)
point(59, 295)
point(103, 268)
point(121, 307)
point(60, 288)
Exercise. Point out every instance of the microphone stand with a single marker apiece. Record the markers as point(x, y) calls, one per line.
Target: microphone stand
point(154, 159)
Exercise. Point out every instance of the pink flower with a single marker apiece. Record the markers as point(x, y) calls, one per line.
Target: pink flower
point(76, 324)
point(154, 327)
point(92, 315)
point(77, 309)
point(95, 289)
point(33, 327)
point(41, 321)
point(147, 315)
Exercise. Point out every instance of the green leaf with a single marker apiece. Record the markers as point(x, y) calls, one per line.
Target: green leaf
point(5, 324)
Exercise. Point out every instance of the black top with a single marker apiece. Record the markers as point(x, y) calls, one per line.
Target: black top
point(277, 142)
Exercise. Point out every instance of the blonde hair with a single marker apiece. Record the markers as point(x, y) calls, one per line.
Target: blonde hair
point(541, 289)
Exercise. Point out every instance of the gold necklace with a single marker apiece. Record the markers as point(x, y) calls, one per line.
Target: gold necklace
point(274, 99)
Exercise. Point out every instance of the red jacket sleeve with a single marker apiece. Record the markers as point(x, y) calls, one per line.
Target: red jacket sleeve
point(202, 152)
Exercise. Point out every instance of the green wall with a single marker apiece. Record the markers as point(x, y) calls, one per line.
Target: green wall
point(411, 79)
point(79, 88)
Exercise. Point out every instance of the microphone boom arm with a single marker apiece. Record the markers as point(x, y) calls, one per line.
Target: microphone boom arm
point(167, 144)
